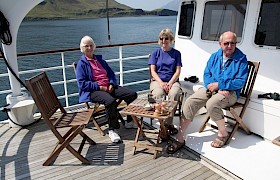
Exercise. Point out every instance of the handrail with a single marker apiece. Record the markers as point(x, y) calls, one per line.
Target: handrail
point(65, 66)
point(77, 49)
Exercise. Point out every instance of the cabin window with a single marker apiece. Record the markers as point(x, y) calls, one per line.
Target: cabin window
point(268, 28)
point(186, 19)
point(221, 16)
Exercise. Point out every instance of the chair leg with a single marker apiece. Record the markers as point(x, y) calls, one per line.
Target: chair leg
point(240, 121)
point(121, 118)
point(234, 129)
point(98, 127)
point(88, 139)
point(202, 127)
point(66, 144)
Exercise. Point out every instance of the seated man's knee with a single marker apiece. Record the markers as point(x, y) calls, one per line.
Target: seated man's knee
point(211, 107)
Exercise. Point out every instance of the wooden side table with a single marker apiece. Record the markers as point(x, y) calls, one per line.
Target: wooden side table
point(136, 109)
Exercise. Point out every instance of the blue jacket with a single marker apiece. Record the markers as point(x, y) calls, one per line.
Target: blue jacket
point(230, 77)
point(84, 75)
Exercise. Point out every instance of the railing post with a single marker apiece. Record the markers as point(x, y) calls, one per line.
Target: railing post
point(64, 79)
point(121, 66)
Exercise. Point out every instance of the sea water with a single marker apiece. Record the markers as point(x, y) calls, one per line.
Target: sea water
point(46, 35)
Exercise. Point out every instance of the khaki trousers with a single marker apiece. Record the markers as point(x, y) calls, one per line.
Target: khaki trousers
point(214, 104)
point(173, 95)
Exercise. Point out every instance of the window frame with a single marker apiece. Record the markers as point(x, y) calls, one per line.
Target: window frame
point(193, 19)
point(259, 17)
point(233, 21)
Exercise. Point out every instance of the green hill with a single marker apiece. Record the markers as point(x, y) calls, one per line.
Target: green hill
point(65, 9)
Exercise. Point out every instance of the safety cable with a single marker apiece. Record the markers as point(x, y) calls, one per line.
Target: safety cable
point(6, 38)
point(5, 34)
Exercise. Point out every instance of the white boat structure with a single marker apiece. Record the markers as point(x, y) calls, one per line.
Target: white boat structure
point(199, 25)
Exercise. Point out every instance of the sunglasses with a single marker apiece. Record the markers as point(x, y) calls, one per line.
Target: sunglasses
point(231, 43)
point(166, 39)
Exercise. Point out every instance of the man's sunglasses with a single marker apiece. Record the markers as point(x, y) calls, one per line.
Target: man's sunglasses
point(231, 43)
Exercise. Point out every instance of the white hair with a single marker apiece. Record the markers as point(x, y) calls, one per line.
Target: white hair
point(85, 40)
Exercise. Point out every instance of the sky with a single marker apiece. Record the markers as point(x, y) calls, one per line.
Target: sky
point(147, 5)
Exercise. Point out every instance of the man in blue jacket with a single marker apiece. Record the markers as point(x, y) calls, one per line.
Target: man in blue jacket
point(97, 83)
point(224, 76)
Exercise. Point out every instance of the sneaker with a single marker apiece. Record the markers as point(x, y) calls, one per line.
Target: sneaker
point(115, 138)
point(131, 125)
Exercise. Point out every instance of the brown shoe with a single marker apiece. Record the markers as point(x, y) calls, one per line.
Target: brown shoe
point(174, 147)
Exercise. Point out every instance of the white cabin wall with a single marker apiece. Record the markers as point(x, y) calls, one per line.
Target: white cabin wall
point(263, 115)
point(195, 52)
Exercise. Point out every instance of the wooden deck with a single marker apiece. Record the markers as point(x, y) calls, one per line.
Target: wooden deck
point(23, 152)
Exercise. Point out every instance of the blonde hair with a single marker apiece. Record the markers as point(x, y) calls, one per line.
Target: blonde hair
point(166, 32)
point(85, 40)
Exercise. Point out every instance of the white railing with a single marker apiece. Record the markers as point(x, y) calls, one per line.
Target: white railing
point(65, 66)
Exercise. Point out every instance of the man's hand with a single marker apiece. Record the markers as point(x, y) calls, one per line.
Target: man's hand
point(213, 86)
point(224, 92)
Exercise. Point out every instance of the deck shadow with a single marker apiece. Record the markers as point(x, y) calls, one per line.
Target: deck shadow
point(103, 154)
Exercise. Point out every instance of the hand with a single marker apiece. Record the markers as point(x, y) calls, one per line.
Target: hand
point(213, 87)
point(164, 86)
point(110, 88)
point(224, 92)
point(169, 86)
point(103, 88)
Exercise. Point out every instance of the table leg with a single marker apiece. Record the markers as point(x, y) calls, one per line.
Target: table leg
point(139, 125)
point(139, 130)
point(161, 130)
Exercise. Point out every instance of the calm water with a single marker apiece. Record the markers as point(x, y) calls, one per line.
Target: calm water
point(59, 34)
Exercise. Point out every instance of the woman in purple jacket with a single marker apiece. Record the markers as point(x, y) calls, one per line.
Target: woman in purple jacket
point(97, 83)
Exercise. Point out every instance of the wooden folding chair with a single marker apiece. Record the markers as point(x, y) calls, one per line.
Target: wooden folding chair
point(245, 95)
point(48, 104)
point(99, 110)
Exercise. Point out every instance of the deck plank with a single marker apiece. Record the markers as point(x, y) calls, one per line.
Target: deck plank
point(23, 152)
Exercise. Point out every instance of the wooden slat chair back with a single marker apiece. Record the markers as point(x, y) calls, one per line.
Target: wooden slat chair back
point(56, 117)
point(98, 109)
point(253, 68)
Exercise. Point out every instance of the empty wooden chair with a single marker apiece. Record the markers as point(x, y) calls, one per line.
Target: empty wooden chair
point(56, 118)
point(99, 109)
point(245, 95)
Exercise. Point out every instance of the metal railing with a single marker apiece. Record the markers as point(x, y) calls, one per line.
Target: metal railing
point(64, 66)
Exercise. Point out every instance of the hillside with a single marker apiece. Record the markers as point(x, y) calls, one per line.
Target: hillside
point(64, 9)
point(173, 5)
